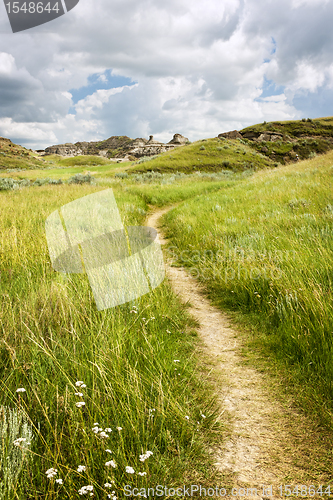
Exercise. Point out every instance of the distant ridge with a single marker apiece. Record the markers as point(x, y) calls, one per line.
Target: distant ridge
point(118, 147)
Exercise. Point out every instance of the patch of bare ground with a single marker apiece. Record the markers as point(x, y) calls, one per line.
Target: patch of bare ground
point(270, 442)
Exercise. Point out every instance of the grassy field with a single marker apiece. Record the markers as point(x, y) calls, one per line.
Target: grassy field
point(137, 361)
point(264, 248)
point(259, 238)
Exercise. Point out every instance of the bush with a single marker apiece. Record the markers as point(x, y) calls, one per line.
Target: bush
point(81, 179)
point(8, 183)
point(41, 182)
point(55, 181)
point(121, 175)
point(202, 148)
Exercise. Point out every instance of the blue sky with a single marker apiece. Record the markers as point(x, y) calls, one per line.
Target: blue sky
point(160, 68)
point(98, 81)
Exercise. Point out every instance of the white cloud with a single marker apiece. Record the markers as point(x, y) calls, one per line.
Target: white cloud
point(200, 68)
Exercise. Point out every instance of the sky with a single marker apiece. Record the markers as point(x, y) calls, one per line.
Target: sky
point(153, 67)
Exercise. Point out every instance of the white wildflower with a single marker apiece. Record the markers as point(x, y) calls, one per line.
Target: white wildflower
point(18, 441)
point(81, 468)
point(96, 423)
point(146, 455)
point(112, 463)
point(85, 489)
point(119, 428)
point(21, 389)
point(108, 429)
point(59, 481)
point(203, 416)
point(51, 473)
point(79, 383)
point(130, 470)
point(186, 416)
point(80, 394)
point(176, 360)
point(108, 485)
point(108, 451)
point(103, 435)
point(80, 404)
point(142, 473)
point(97, 429)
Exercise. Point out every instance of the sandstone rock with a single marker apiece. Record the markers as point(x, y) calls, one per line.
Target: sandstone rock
point(118, 147)
point(252, 135)
point(178, 139)
point(234, 134)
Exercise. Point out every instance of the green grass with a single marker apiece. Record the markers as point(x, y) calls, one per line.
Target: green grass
point(217, 155)
point(296, 128)
point(52, 336)
point(259, 239)
point(264, 248)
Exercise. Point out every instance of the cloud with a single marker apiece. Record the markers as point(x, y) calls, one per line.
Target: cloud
point(196, 68)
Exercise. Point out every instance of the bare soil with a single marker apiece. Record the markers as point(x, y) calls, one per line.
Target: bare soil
point(269, 442)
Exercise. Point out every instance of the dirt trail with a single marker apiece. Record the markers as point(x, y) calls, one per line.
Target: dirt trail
point(258, 451)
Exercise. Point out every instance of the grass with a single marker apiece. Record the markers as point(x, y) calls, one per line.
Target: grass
point(216, 155)
point(52, 336)
point(259, 238)
point(263, 247)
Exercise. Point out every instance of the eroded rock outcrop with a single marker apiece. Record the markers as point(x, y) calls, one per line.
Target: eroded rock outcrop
point(234, 134)
point(118, 147)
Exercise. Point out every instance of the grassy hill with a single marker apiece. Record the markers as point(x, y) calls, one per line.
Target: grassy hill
point(262, 146)
point(17, 157)
point(303, 138)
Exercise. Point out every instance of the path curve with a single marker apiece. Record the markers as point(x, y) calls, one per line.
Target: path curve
point(258, 439)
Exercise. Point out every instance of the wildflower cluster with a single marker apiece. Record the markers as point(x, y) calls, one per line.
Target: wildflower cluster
point(19, 441)
point(51, 473)
point(81, 385)
point(104, 434)
point(86, 489)
point(145, 456)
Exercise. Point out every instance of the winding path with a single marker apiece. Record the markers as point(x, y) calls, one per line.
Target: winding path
point(255, 451)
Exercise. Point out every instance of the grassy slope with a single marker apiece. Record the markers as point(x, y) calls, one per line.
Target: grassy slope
point(264, 248)
point(209, 155)
point(304, 138)
point(13, 156)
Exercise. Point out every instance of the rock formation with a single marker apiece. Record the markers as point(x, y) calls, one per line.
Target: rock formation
point(118, 147)
point(234, 134)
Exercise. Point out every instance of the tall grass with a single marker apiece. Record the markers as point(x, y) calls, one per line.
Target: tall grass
point(264, 247)
point(53, 337)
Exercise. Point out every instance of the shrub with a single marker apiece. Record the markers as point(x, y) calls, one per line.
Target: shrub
point(13, 426)
point(81, 179)
point(7, 183)
point(121, 175)
point(41, 182)
point(202, 148)
point(55, 181)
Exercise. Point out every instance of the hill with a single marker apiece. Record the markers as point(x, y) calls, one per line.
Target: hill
point(286, 141)
point(263, 145)
point(257, 147)
point(17, 157)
